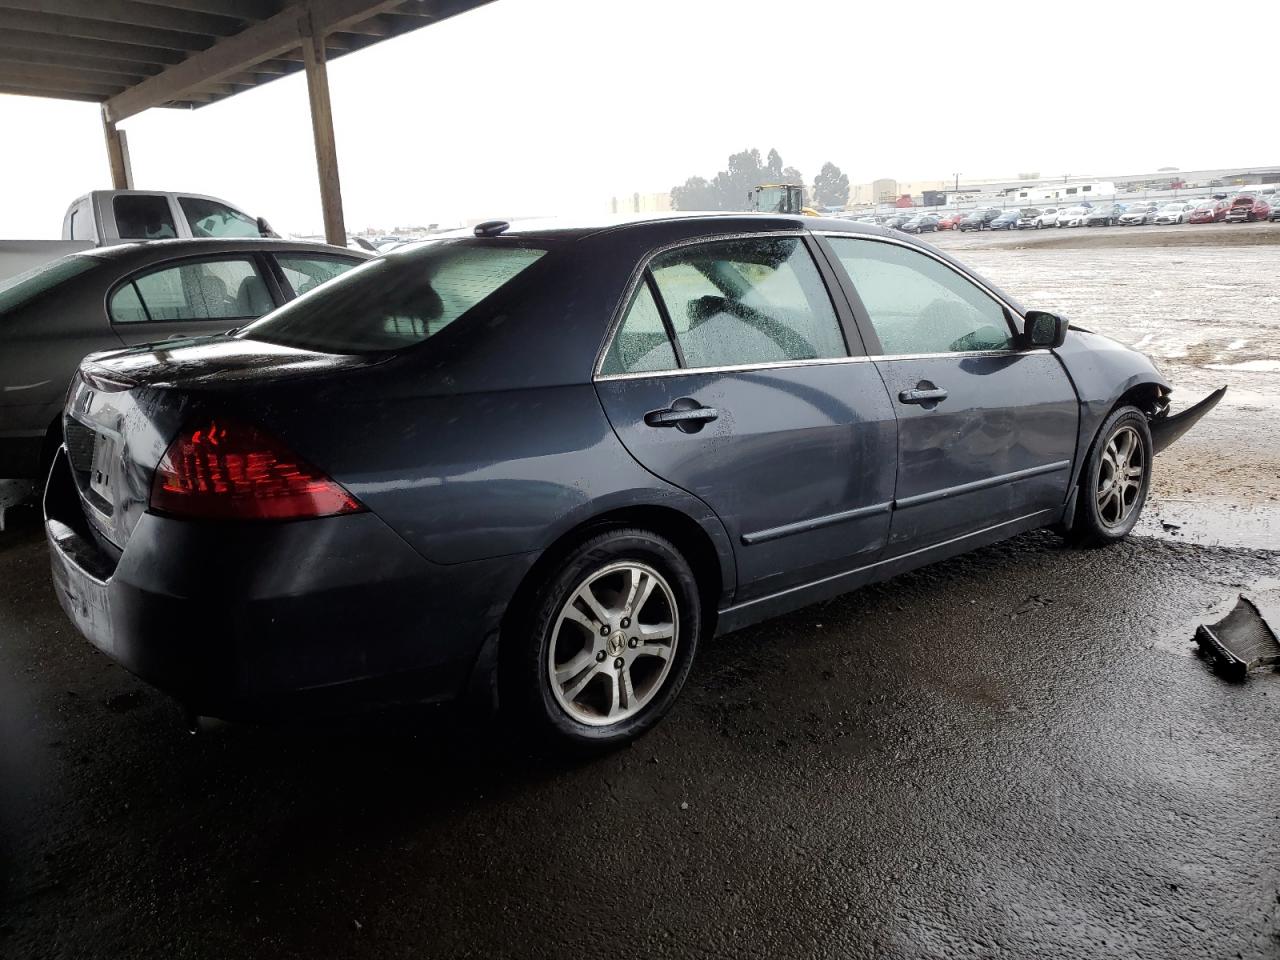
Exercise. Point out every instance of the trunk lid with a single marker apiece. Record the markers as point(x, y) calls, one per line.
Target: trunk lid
point(125, 407)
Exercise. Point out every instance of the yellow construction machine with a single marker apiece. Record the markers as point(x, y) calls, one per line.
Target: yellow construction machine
point(779, 198)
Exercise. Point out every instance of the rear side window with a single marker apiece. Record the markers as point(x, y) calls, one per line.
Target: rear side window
point(641, 344)
point(25, 287)
point(143, 217)
point(209, 218)
point(758, 300)
point(200, 290)
point(305, 273)
point(397, 300)
point(918, 305)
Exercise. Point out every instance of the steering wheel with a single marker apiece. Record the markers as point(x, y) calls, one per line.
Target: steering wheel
point(794, 346)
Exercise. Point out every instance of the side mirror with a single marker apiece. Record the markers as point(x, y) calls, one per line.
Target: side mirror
point(264, 229)
point(1044, 329)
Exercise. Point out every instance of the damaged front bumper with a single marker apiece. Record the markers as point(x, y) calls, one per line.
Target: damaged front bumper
point(1166, 428)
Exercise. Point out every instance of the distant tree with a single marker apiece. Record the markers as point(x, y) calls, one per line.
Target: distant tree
point(729, 189)
point(831, 186)
point(773, 165)
point(695, 194)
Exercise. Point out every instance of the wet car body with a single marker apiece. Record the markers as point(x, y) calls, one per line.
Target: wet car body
point(471, 468)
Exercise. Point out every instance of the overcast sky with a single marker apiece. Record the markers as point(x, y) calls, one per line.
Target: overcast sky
point(552, 106)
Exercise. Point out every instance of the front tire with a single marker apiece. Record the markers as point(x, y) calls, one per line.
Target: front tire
point(1115, 481)
point(605, 644)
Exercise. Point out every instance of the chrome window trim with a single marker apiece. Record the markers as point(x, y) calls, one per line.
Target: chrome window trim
point(821, 361)
point(637, 275)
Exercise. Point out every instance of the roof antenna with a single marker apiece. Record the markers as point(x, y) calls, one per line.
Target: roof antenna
point(491, 228)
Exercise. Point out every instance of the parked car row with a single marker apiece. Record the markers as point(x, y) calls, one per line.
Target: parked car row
point(1241, 208)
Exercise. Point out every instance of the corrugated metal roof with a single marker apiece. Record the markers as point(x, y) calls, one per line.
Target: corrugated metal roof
point(134, 54)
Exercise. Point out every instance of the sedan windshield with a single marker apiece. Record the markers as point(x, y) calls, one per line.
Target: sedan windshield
point(397, 300)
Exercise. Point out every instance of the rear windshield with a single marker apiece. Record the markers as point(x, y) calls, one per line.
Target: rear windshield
point(397, 300)
point(25, 287)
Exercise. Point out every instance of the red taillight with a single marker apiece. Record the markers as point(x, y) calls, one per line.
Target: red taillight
point(224, 469)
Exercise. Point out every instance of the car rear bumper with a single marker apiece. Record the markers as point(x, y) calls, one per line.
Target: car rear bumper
point(245, 620)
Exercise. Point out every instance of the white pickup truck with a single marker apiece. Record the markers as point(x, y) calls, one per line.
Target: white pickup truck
point(123, 216)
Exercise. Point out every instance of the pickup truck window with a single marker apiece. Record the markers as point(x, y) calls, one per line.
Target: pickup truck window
point(143, 217)
point(199, 290)
point(209, 218)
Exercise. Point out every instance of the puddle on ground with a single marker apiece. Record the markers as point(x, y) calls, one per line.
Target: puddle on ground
point(1250, 525)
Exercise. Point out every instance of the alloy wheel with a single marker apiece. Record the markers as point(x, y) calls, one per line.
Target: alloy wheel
point(1119, 481)
point(613, 643)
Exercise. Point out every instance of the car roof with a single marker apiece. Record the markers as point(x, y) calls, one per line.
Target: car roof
point(150, 250)
point(728, 221)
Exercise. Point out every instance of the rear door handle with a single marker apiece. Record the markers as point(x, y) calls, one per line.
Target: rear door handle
point(923, 394)
point(686, 414)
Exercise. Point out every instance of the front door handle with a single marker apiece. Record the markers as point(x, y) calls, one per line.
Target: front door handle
point(685, 414)
point(924, 392)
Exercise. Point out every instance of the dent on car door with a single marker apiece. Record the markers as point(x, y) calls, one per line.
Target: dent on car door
point(986, 430)
point(729, 376)
point(192, 298)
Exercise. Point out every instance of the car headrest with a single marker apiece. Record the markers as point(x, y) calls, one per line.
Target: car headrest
point(253, 298)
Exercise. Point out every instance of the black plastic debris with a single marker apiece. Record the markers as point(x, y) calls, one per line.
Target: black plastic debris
point(1241, 641)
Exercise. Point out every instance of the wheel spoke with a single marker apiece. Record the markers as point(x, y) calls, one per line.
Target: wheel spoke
point(639, 597)
point(578, 685)
point(582, 661)
point(660, 650)
point(627, 693)
point(594, 606)
point(650, 632)
point(1133, 472)
point(571, 612)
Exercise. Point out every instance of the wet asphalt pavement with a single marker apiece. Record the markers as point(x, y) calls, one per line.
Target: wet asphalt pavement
point(1013, 754)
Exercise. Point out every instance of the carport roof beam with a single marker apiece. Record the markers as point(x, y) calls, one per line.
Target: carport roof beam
point(185, 52)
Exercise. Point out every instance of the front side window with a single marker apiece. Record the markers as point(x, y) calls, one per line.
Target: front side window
point(209, 218)
point(306, 273)
point(143, 217)
point(200, 290)
point(757, 300)
point(917, 304)
point(397, 300)
point(641, 344)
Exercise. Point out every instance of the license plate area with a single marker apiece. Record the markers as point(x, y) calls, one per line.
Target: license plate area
point(102, 471)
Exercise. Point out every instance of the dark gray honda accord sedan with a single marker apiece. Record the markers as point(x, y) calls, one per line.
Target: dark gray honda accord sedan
point(542, 464)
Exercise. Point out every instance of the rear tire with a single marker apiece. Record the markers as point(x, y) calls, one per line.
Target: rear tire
point(603, 647)
point(1115, 480)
